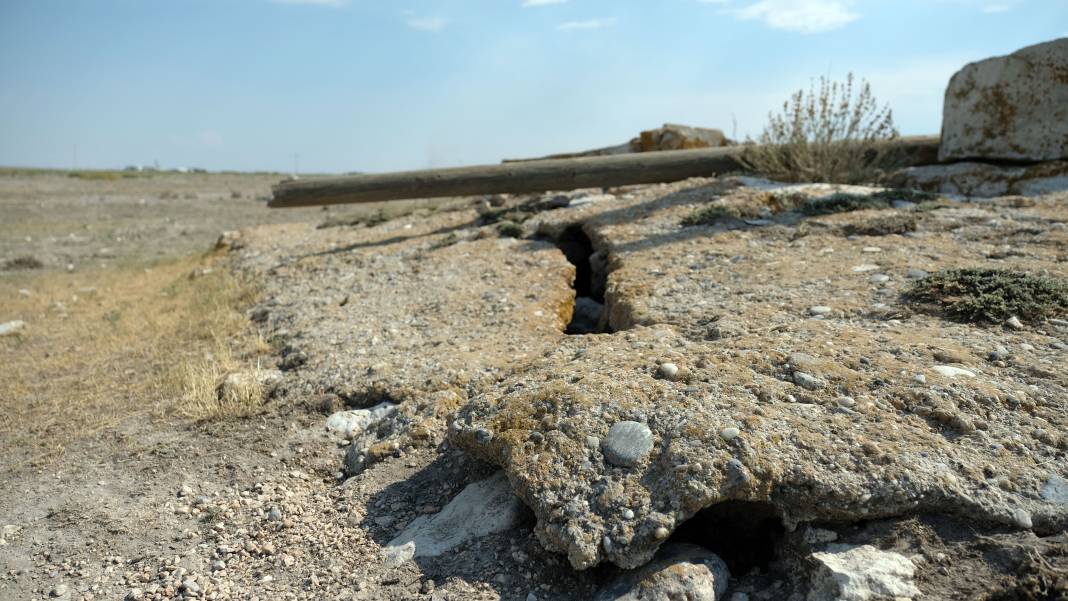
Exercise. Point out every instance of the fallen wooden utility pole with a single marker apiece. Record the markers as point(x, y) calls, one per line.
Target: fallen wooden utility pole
point(546, 175)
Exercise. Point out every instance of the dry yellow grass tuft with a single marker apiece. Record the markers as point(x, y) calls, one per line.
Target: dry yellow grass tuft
point(103, 346)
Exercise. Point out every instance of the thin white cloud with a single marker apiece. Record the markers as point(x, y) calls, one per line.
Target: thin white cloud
point(803, 16)
point(996, 8)
point(427, 23)
point(713, 1)
point(530, 3)
point(588, 24)
point(330, 3)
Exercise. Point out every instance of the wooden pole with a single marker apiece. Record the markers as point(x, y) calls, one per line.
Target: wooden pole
point(545, 175)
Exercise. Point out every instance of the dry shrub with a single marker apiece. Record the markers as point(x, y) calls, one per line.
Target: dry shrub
point(216, 387)
point(990, 295)
point(827, 135)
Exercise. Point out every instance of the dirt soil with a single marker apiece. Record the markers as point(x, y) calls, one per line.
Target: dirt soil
point(436, 308)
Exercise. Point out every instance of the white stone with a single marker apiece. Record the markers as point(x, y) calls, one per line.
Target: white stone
point(483, 508)
point(808, 381)
point(819, 310)
point(861, 573)
point(865, 267)
point(353, 423)
point(1011, 107)
point(11, 328)
point(952, 372)
point(669, 370)
point(679, 571)
point(627, 443)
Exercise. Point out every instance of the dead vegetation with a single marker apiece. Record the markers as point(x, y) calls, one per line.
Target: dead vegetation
point(24, 262)
point(827, 135)
point(102, 346)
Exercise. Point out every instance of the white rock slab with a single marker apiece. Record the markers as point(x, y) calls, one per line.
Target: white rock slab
point(861, 573)
point(10, 328)
point(483, 508)
point(952, 372)
point(353, 423)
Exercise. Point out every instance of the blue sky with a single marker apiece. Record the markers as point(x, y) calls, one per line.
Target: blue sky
point(371, 85)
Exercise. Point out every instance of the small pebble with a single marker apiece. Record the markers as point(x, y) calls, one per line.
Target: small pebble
point(729, 433)
point(628, 514)
point(808, 381)
point(819, 310)
point(920, 378)
point(1014, 323)
point(845, 401)
point(668, 371)
point(915, 274)
point(999, 353)
point(879, 278)
point(274, 515)
point(627, 443)
point(1022, 518)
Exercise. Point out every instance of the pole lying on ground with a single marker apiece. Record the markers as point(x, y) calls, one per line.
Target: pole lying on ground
point(546, 175)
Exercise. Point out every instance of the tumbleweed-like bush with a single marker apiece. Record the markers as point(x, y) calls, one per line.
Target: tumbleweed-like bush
point(828, 135)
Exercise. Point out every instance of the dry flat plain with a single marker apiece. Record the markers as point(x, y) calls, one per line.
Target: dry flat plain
point(344, 412)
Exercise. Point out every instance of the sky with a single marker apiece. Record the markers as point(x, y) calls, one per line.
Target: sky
point(376, 85)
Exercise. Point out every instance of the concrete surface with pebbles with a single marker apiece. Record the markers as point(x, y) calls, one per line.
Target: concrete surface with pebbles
point(715, 408)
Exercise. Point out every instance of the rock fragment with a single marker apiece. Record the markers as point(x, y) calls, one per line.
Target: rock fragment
point(861, 573)
point(353, 423)
point(482, 508)
point(809, 381)
point(627, 443)
point(952, 372)
point(10, 328)
point(679, 571)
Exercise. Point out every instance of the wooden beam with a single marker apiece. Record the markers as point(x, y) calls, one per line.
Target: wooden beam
point(544, 175)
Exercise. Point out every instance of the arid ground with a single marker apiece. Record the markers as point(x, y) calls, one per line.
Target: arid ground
point(166, 396)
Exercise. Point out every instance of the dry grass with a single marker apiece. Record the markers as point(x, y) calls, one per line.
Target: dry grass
point(827, 135)
point(104, 346)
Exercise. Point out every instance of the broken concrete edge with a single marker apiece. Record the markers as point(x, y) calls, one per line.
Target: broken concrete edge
point(1042, 518)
